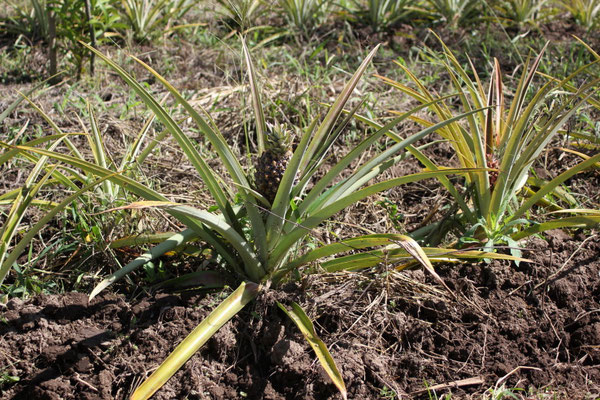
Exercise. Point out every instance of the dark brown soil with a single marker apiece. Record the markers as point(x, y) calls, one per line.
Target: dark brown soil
point(537, 324)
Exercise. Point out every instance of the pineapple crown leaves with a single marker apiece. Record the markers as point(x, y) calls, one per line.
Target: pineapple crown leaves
point(278, 137)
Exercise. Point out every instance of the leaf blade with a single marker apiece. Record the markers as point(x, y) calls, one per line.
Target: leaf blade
point(307, 328)
point(233, 304)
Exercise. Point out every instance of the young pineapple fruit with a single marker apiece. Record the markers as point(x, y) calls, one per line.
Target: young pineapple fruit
point(273, 162)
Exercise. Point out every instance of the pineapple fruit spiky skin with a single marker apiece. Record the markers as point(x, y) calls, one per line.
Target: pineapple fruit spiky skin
point(492, 162)
point(273, 162)
point(269, 171)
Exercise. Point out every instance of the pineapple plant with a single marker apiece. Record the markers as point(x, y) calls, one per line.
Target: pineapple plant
point(264, 250)
point(273, 161)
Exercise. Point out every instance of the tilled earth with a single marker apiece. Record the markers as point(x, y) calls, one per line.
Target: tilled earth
point(533, 326)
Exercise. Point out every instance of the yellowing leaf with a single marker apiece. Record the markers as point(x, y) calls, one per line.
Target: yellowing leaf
point(413, 248)
point(138, 205)
point(307, 328)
